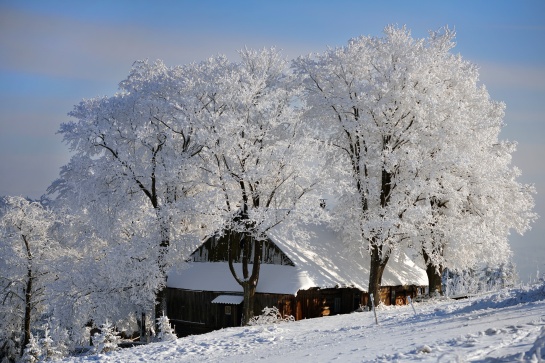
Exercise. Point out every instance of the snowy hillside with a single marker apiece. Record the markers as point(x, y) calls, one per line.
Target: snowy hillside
point(507, 326)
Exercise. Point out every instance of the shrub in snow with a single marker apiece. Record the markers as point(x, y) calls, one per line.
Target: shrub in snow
point(166, 333)
point(479, 279)
point(105, 341)
point(61, 338)
point(424, 349)
point(270, 316)
point(382, 306)
point(362, 308)
point(9, 346)
point(50, 349)
point(32, 351)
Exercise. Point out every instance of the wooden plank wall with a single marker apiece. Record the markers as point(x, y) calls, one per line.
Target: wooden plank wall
point(314, 303)
point(192, 312)
point(400, 294)
point(191, 306)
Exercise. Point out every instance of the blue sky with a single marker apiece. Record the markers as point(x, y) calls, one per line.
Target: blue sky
point(54, 53)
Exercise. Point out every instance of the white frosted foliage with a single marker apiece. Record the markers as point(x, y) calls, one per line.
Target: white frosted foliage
point(165, 330)
point(107, 340)
point(32, 352)
point(415, 142)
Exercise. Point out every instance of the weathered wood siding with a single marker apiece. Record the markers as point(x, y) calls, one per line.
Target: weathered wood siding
point(216, 249)
point(397, 295)
point(192, 312)
point(314, 303)
point(284, 303)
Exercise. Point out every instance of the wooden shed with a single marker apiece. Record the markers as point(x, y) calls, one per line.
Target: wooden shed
point(305, 277)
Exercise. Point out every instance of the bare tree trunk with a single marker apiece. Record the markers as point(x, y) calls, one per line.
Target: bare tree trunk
point(160, 304)
point(378, 264)
point(434, 279)
point(160, 297)
point(249, 299)
point(143, 329)
point(28, 297)
point(378, 258)
point(435, 274)
point(248, 281)
point(28, 311)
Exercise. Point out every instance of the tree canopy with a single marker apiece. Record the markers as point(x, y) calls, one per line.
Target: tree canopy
point(416, 136)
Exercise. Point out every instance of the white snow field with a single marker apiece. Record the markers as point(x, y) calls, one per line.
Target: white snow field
point(506, 326)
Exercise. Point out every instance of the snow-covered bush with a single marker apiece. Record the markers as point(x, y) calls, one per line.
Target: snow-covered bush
point(61, 338)
point(166, 333)
point(32, 352)
point(270, 316)
point(105, 341)
point(51, 350)
point(9, 345)
point(479, 279)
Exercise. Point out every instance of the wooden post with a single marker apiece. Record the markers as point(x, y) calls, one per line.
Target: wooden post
point(144, 330)
point(411, 302)
point(374, 310)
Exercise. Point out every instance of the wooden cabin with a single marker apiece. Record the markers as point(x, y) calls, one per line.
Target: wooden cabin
point(303, 277)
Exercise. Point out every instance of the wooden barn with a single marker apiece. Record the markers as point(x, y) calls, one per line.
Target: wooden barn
point(314, 278)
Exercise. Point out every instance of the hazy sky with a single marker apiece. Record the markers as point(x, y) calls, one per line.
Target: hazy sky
point(54, 53)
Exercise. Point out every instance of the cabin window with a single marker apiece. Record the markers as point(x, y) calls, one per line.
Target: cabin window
point(393, 297)
point(227, 309)
point(337, 305)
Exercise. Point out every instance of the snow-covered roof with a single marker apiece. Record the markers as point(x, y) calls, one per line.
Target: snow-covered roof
point(228, 299)
point(329, 264)
point(215, 276)
point(322, 262)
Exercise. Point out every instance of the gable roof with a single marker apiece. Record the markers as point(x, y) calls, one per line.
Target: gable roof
point(330, 264)
point(322, 262)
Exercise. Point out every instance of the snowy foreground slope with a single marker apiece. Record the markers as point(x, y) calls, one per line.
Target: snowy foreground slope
point(507, 326)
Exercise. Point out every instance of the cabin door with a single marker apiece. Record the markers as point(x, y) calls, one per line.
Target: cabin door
point(229, 315)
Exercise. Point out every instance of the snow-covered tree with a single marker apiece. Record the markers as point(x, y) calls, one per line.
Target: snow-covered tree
point(225, 137)
point(164, 329)
point(131, 152)
point(32, 352)
point(107, 340)
point(29, 255)
point(104, 279)
point(407, 125)
point(373, 102)
point(474, 200)
point(258, 165)
point(51, 350)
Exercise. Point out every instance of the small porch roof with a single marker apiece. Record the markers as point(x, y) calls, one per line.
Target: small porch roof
point(228, 299)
